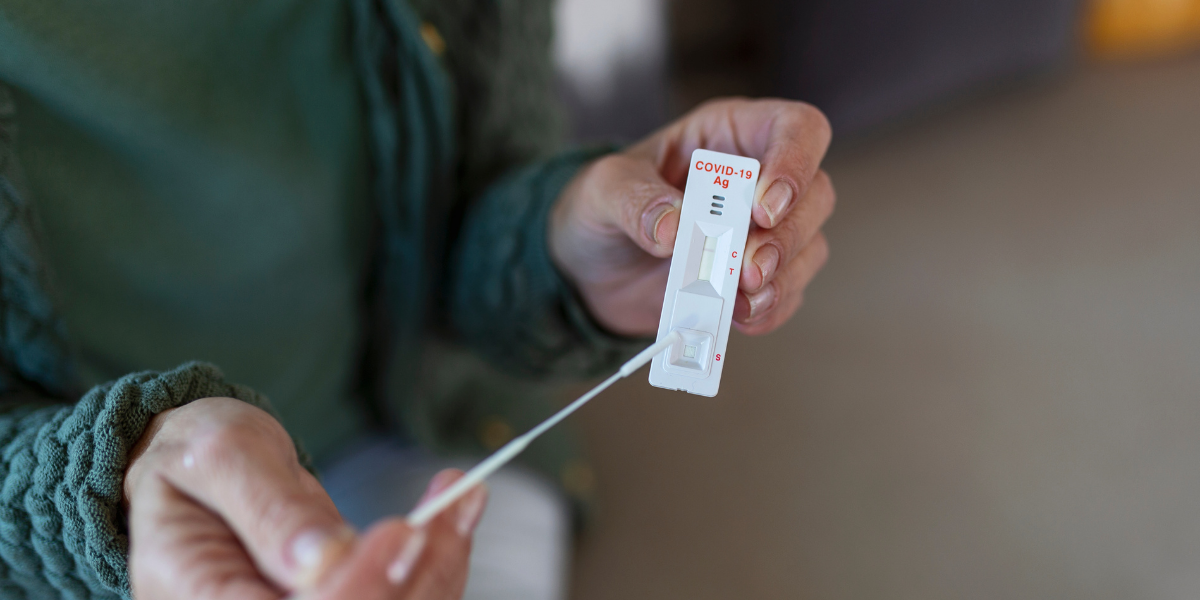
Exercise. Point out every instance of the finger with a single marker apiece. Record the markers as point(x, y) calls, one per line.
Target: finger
point(364, 573)
point(788, 138)
point(244, 468)
point(769, 249)
point(767, 309)
point(799, 136)
point(632, 196)
point(444, 574)
point(178, 549)
point(393, 560)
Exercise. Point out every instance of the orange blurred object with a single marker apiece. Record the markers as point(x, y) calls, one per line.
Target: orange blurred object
point(1141, 28)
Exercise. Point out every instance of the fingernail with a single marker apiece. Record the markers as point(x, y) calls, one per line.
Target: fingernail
point(314, 551)
point(439, 482)
point(654, 217)
point(402, 567)
point(470, 511)
point(767, 259)
point(776, 200)
point(761, 302)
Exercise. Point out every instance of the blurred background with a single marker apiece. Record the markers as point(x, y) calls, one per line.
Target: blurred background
point(993, 389)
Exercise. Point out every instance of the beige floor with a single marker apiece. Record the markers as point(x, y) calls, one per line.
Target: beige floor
point(992, 392)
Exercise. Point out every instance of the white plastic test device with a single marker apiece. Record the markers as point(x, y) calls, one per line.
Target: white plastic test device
point(697, 311)
point(705, 270)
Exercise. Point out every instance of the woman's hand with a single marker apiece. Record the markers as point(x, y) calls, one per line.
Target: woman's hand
point(220, 508)
point(613, 230)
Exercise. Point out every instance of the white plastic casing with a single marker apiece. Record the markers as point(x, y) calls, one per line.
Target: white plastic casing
point(705, 270)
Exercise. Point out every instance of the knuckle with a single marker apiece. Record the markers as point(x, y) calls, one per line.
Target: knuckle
point(757, 239)
point(226, 444)
point(796, 166)
point(787, 307)
point(824, 184)
point(813, 119)
point(719, 104)
point(626, 184)
point(801, 123)
point(822, 247)
point(792, 233)
point(829, 195)
point(820, 253)
point(608, 166)
point(217, 450)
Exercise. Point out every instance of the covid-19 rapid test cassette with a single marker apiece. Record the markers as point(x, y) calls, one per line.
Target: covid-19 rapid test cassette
point(705, 270)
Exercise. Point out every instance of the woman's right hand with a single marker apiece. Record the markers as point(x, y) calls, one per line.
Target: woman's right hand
point(220, 508)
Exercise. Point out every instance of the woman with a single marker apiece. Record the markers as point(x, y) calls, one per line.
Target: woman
point(306, 193)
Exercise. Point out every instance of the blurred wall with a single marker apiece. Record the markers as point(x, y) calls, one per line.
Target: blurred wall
point(627, 66)
point(867, 61)
point(612, 63)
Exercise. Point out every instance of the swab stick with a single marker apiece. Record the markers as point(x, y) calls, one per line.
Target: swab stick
point(430, 509)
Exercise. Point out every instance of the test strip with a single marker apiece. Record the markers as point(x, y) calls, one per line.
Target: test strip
point(705, 268)
point(706, 259)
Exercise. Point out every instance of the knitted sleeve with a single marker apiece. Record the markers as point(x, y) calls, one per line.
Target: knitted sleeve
point(62, 527)
point(507, 299)
point(62, 464)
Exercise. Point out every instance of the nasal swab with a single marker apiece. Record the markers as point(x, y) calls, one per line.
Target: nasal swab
point(430, 509)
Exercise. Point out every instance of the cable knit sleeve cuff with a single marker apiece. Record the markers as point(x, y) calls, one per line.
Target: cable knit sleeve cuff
point(62, 527)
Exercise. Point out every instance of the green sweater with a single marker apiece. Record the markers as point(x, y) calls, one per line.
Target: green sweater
point(447, 157)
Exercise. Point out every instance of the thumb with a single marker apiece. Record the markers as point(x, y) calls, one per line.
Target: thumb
point(635, 197)
point(248, 474)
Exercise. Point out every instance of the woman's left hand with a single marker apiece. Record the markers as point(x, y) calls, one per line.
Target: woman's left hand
point(613, 230)
point(219, 508)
